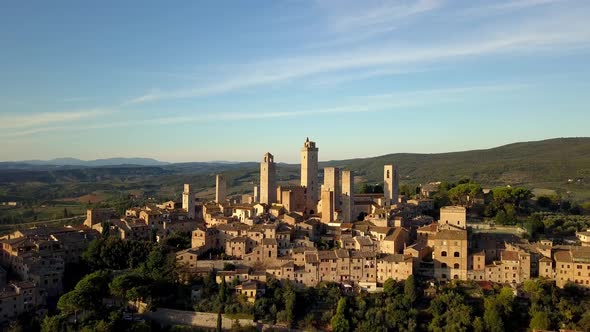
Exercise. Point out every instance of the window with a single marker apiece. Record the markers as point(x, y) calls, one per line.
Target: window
point(443, 265)
point(443, 253)
point(456, 266)
point(456, 254)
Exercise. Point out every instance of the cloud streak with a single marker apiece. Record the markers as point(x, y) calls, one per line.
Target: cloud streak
point(18, 121)
point(560, 33)
point(362, 104)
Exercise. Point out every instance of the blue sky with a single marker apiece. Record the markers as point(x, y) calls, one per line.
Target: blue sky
point(230, 80)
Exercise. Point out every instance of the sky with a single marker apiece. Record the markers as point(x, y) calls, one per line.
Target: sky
point(230, 80)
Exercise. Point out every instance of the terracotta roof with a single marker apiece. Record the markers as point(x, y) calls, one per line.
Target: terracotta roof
point(327, 254)
point(312, 258)
point(342, 253)
point(447, 234)
point(429, 228)
point(362, 254)
point(508, 255)
point(395, 235)
point(563, 256)
point(269, 242)
point(384, 230)
point(393, 258)
point(417, 246)
point(363, 240)
point(239, 239)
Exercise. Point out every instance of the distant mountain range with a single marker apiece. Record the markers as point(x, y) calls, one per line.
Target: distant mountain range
point(94, 163)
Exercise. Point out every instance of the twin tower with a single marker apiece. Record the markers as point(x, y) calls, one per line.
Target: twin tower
point(309, 177)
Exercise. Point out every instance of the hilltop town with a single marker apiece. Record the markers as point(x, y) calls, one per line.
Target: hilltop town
point(320, 231)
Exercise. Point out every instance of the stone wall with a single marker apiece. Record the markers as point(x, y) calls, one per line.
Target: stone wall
point(192, 318)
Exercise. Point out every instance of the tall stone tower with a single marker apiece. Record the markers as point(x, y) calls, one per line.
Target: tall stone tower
point(256, 197)
point(220, 188)
point(188, 201)
point(268, 185)
point(332, 183)
point(327, 206)
point(309, 174)
point(390, 184)
point(347, 196)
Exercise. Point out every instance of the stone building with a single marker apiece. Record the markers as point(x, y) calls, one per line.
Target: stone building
point(188, 201)
point(450, 254)
point(572, 266)
point(18, 298)
point(453, 215)
point(390, 184)
point(332, 183)
point(395, 266)
point(309, 175)
point(268, 180)
point(347, 196)
point(220, 188)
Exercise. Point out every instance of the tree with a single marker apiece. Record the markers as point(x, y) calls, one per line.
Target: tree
point(450, 313)
point(540, 321)
point(51, 323)
point(290, 299)
point(465, 193)
point(492, 318)
point(535, 226)
point(87, 295)
point(501, 218)
point(339, 322)
point(390, 287)
point(410, 291)
point(478, 325)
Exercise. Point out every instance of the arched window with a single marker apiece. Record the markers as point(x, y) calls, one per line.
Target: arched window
point(455, 277)
point(443, 253)
point(443, 265)
point(456, 266)
point(456, 254)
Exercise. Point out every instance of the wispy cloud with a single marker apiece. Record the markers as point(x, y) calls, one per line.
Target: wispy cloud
point(520, 4)
point(533, 39)
point(362, 104)
point(353, 15)
point(17, 121)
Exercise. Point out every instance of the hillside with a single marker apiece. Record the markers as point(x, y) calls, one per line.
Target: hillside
point(544, 164)
point(548, 161)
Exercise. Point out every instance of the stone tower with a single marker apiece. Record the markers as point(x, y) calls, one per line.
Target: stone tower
point(327, 206)
point(268, 186)
point(309, 174)
point(332, 183)
point(256, 197)
point(390, 184)
point(220, 188)
point(188, 201)
point(347, 196)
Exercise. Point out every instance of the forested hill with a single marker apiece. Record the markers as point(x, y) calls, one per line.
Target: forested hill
point(526, 163)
